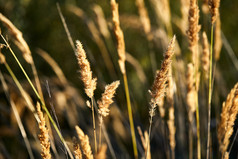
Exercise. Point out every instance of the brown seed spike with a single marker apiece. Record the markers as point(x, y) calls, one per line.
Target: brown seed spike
point(44, 134)
point(214, 9)
point(84, 143)
point(119, 36)
point(159, 85)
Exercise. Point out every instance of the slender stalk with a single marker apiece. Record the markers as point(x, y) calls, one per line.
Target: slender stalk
point(209, 95)
point(94, 126)
point(130, 116)
point(38, 96)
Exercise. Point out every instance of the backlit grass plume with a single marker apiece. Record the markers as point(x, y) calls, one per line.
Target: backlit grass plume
point(106, 99)
point(228, 117)
point(214, 9)
point(119, 36)
point(158, 88)
point(85, 70)
point(159, 85)
point(84, 142)
point(44, 134)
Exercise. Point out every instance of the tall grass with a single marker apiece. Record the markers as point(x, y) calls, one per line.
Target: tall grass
point(188, 88)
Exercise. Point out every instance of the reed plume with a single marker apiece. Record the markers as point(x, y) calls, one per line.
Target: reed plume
point(158, 88)
point(44, 134)
point(84, 142)
point(106, 99)
point(159, 85)
point(77, 150)
point(193, 30)
point(228, 117)
point(205, 55)
point(105, 102)
point(214, 9)
point(85, 70)
point(119, 36)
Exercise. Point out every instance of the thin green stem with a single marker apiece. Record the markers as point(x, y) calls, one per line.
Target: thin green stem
point(130, 116)
point(209, 95)
point(39, 98)
point(94, 126)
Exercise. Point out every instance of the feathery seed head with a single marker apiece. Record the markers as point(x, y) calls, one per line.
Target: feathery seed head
point(159, 85)
point(214, 9)
point(119, 36)
point(85, 70)
point(44, 134)
point(106, 99)
point(84, 143)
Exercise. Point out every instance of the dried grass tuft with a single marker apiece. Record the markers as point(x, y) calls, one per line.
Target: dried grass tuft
point(119, 36)
point(214, 9)
point(106, 99)
point(85, 70)
point(84, 142)
point(44, 134)
point(228, 116)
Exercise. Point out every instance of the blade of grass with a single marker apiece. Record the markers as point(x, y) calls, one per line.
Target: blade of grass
point(130, 116)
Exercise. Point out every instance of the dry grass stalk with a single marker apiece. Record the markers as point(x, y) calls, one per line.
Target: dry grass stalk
point(144, 140)
point(159, 85)
point(228, 117)
point(85, 70)
point(205, 55)
point(77, 151)
point(119, 36)
point(84, 143)
point(44, 134)
point(217, 39)
point(144, 18)
point(106, 99)
point(102, 152)
point(170, 122)
point(190, 92)
point(214, 9)
point(19, 40)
